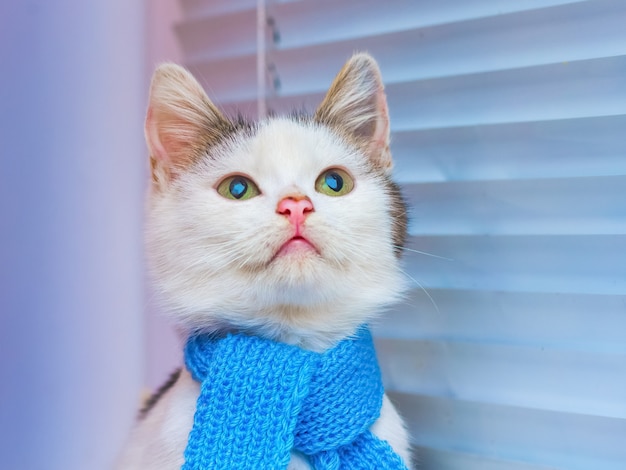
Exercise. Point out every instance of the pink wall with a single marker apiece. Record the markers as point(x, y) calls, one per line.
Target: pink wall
point(162, 348)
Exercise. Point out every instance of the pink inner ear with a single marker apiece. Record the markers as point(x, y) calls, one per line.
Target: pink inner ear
point(381, 132)
point(156, 147)
point(379, 145)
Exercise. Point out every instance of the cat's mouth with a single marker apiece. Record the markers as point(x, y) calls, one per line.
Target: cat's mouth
point(296, 245)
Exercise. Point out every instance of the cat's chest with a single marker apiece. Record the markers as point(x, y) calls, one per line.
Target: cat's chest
point(160, 438)
point(170, 422)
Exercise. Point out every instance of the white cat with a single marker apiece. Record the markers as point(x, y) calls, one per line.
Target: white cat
point(289, 229)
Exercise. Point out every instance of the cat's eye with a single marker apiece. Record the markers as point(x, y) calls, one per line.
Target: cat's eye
point(334, 182)
point(238, 187)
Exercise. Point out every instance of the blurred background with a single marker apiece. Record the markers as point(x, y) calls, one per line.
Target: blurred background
point(508, 122)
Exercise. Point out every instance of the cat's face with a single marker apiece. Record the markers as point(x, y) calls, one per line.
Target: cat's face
point(289, 228)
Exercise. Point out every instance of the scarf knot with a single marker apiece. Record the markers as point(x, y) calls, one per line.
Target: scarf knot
point(260, 399)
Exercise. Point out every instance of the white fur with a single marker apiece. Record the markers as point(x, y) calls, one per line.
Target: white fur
point(212, 255)
point(214, 259)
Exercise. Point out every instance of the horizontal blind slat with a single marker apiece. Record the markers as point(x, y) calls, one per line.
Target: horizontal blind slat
point(588, 264)
point(538, 149)
point(563, 206)
point(585, 322)
point(561, 91)
point(431, 458)
point(544, 437)
point(537, 377)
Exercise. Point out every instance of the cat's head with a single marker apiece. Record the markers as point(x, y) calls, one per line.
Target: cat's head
point(290, 228)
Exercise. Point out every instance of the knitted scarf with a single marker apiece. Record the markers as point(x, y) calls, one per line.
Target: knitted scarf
point(261, 399)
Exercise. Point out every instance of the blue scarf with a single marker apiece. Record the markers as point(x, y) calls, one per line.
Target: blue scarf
point(260, 399)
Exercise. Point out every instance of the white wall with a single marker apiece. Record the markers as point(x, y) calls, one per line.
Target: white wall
point(72, 170)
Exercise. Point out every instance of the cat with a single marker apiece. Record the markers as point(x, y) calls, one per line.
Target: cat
point(289, 228)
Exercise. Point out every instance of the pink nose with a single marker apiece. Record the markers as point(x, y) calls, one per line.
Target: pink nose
point(295, 209)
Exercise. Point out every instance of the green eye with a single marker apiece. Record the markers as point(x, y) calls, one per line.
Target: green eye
point(334, 182)
point(238, 187)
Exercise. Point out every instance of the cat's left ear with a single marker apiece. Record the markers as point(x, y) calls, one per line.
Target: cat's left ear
point(181, 123)
point(356, 106)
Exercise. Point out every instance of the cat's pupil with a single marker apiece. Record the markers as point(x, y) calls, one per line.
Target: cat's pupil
point(238, 187)
point(334, 181)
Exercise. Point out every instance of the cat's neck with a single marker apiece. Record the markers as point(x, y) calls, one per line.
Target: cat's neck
point(294, 325)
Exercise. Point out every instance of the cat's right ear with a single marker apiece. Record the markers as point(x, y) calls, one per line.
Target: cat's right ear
point(181, 122)
point(356, 106)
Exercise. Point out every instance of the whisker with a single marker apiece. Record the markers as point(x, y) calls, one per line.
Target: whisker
point(423, 253)
point(432, 301)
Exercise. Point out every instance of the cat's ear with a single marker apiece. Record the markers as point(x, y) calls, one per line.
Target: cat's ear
point(181, 122)
point(356, 105)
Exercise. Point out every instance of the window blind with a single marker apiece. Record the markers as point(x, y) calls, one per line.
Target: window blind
point(508, 124)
